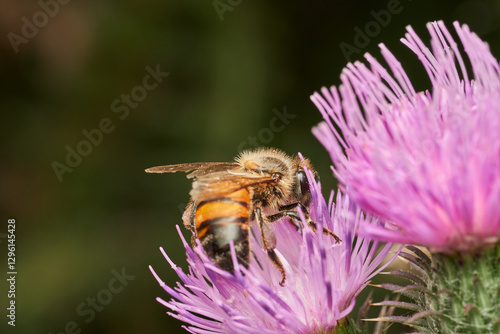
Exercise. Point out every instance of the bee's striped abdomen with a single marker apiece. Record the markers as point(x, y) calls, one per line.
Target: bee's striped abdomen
point(221, 220)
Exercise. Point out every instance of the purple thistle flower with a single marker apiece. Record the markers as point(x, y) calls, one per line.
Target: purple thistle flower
point(323, 278)
point(428, 162)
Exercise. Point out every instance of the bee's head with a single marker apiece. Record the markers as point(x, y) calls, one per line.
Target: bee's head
point(301, 187)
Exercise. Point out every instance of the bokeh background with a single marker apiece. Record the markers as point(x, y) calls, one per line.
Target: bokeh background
point(228, 70)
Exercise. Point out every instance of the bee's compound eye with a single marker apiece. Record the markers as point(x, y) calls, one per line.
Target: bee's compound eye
point(302, 181)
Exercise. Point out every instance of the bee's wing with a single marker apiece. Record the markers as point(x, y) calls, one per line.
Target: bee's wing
point(198, 168)
point(213, 185)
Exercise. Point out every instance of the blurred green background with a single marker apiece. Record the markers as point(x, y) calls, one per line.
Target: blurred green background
point(228, 71)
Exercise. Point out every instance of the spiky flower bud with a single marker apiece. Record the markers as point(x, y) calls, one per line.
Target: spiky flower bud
point(467, 289)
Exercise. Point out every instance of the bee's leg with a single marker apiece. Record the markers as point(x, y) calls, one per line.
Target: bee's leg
point(269, 243)
point(193, 240)
point(253, 253)
point(287, 211)
point(188, 219)
point(257, 260)
point(295, 221)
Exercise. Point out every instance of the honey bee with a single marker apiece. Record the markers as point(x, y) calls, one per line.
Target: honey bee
point(263, 185)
